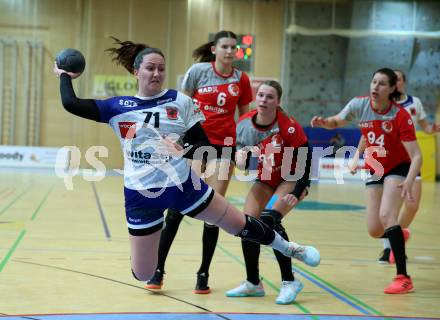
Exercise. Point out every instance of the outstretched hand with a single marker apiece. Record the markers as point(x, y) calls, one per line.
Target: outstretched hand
point(289, 200)
point(59, 71)
point(318, 121)
point(435, 128)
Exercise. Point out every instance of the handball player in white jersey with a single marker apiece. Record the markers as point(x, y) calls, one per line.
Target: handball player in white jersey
point(218, 89)
point(157, 176)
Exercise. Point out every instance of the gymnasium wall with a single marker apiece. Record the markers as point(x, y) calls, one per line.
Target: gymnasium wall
point(324, 70)
point(175, 26)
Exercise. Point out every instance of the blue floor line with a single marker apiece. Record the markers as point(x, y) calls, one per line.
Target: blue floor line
point(197, 316)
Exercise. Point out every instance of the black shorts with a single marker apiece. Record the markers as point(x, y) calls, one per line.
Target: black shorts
point(401, 170)
point(218, 152)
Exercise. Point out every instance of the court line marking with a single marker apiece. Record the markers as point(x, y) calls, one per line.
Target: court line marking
point(42, 202)
point(126, 284)
point(108, 235)
point(268, 282)
point(309, 275)
point(22, 232)
point(14, 200)
point(11, 250)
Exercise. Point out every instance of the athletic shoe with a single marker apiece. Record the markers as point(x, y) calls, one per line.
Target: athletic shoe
point(247, 289)
point(288, 291)
point(401, 284)
point(385, 256)
point(406, 235)
point(156, 282)
point(307, 254)
point(202, 284)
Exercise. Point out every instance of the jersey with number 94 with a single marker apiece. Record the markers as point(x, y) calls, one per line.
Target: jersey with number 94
point(217, 96)
point(385, 132)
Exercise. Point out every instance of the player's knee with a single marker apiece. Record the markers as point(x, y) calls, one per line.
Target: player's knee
point(375, 232)
point(411, 208)
point(271, 217)
point(136, 277)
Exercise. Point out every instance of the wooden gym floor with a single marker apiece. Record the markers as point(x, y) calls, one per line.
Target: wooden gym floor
point(64, 255)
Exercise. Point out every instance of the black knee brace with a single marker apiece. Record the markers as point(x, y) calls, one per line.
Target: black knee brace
point(271, 217)
point(257, 231)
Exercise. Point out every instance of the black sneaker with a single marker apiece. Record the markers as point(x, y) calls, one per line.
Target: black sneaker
point(156, 282)
point(202, 284)
point(385, 256)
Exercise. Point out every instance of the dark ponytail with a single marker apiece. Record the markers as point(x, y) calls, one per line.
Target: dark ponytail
point(204, 54)
point(130, 54)
point(392, 81)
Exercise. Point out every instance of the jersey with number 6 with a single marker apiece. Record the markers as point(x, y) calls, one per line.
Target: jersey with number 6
point(386, 131)
point(141, 123)
point(217, 96)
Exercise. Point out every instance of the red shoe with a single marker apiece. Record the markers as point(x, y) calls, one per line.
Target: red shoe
point(401, 284)
point(406, 235)
point(156, 282)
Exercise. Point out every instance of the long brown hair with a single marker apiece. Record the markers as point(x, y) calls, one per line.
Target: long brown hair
point(204, 54)
point(130, 54)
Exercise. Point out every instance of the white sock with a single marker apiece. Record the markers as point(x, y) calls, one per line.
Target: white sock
point(279, 243)
point(386, 243)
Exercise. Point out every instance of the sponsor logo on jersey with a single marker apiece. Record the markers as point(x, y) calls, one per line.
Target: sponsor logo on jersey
point(387, 126)
point(410, 122)
point(127, 129)
point(233, 89)
point(206, 90)
point(291, 130)
point(412, 111)
point(366, 125)
point(276, 140)
point(172, 113)
point(214, 109)
point(148, 157)
point(127, 103)
point(158, 102)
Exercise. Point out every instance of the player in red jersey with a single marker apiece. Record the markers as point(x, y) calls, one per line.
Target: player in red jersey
point(414, 107)
point(275, 138)
point(393, 158)
point(218, 89)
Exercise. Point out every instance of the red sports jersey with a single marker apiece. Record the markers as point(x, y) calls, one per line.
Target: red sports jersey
point(218, 96)
point(383, 131)
point(271, 141)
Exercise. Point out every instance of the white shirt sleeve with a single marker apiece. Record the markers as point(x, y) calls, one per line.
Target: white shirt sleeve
point(420, 111)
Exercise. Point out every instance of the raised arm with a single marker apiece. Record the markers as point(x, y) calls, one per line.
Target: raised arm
point(332, 122)
point(84, 108)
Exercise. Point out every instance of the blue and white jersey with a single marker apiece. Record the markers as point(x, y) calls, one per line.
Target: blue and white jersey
point(415, 108)
point(141, 123)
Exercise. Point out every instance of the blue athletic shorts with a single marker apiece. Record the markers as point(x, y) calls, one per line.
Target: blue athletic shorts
point(145, 209)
